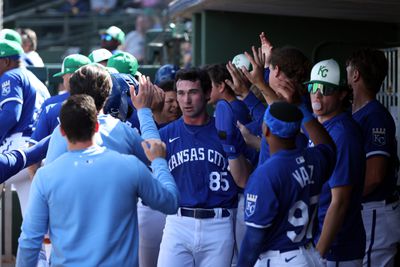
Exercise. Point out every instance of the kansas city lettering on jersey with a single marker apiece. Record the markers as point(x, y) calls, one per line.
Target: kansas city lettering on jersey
point(197, 154)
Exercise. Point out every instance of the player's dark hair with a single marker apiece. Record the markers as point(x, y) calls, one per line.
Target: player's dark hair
point(372, 66)
point(292, 62)
point(218, 74)
point(195, 74)
point(167, 86)
point(285, 112)
point(78, 117)
point(92, 80)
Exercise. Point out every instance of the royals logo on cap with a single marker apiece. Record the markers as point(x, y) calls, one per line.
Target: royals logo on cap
point(326, 72)
point(251, 201)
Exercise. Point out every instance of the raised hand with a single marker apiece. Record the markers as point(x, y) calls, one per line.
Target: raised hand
point(266, 48)
point(256, 76)
point(239, 84)
point(287, 90)
point(158, 99)
point(145, 96)
point(154, 148)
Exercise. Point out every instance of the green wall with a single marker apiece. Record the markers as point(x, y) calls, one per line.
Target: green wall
point(218, 36)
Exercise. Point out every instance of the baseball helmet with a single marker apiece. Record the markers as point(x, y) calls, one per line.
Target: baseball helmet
point(165, 72)
point(119, 104)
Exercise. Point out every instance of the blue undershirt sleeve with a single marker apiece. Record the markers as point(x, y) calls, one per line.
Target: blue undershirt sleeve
point(251, 246)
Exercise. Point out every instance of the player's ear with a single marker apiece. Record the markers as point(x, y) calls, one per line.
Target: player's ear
point(62, 131)
point(265, 130)
point(96, 128)
point(276, 71)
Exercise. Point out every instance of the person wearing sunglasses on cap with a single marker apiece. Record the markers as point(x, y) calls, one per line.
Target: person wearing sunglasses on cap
point(112, 38)
point(340, 236)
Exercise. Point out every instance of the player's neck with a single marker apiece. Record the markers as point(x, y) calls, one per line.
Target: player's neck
point(201, 119)
point(277, 146)
point(361, 98)
point(80, 145)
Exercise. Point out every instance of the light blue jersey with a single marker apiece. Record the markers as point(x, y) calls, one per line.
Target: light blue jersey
point(112, 134)
point(87, 199)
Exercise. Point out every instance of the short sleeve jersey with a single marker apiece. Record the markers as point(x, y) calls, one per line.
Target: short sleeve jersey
point(379, 132)
point(282, 195)
point(199, 165)
point(349, 243)
point(22, 86)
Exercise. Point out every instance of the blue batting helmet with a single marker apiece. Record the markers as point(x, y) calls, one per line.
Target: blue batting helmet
point(119, 104)
point(165, 72)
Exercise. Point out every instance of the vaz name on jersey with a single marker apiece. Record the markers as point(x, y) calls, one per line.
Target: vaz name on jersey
point(197, 154)
point(302, 176)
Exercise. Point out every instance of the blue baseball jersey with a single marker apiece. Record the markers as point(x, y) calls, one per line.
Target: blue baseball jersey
point(55, 99)
point(133, 120)
point(241, 111)
point(255, 106)
point(281, 195)
point(22, 86)
point(112, 134)
point(199, 165)
point(11, 163)
point(301, 142)
point(48, 120)
point(349, 243)
point(379, 132)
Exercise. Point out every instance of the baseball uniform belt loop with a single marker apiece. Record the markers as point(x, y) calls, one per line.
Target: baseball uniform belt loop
point(203, 213)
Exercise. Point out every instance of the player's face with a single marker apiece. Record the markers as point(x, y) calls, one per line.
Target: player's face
point(171, 109)
point(191, 98)
point(350, 73)
point(3, 65)
point(327, 106)
point(215, 93)
point(66, 78)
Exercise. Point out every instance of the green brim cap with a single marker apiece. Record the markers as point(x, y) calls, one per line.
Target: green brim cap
point(124, 62)
point(71, 63)
point(11, 35)
point(10, 48)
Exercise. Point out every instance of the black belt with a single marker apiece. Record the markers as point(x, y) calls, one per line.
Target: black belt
point(202, 213)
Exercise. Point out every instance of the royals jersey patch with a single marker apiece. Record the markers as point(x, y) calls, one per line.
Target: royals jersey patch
point(379, 136)
point(5, 88)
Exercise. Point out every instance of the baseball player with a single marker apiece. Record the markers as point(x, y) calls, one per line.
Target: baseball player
point(50, 110)
point(112, 38)
point(22, 95)
point(101, 210)
point(366, 70)
point(201, 233)
point(282, 193)
point(12, 35)
point(100, 56)
point(124, 62)
point(48, 118)
point(151, 222)
point(95, 81)
point(221, 90)
point(341, 235)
